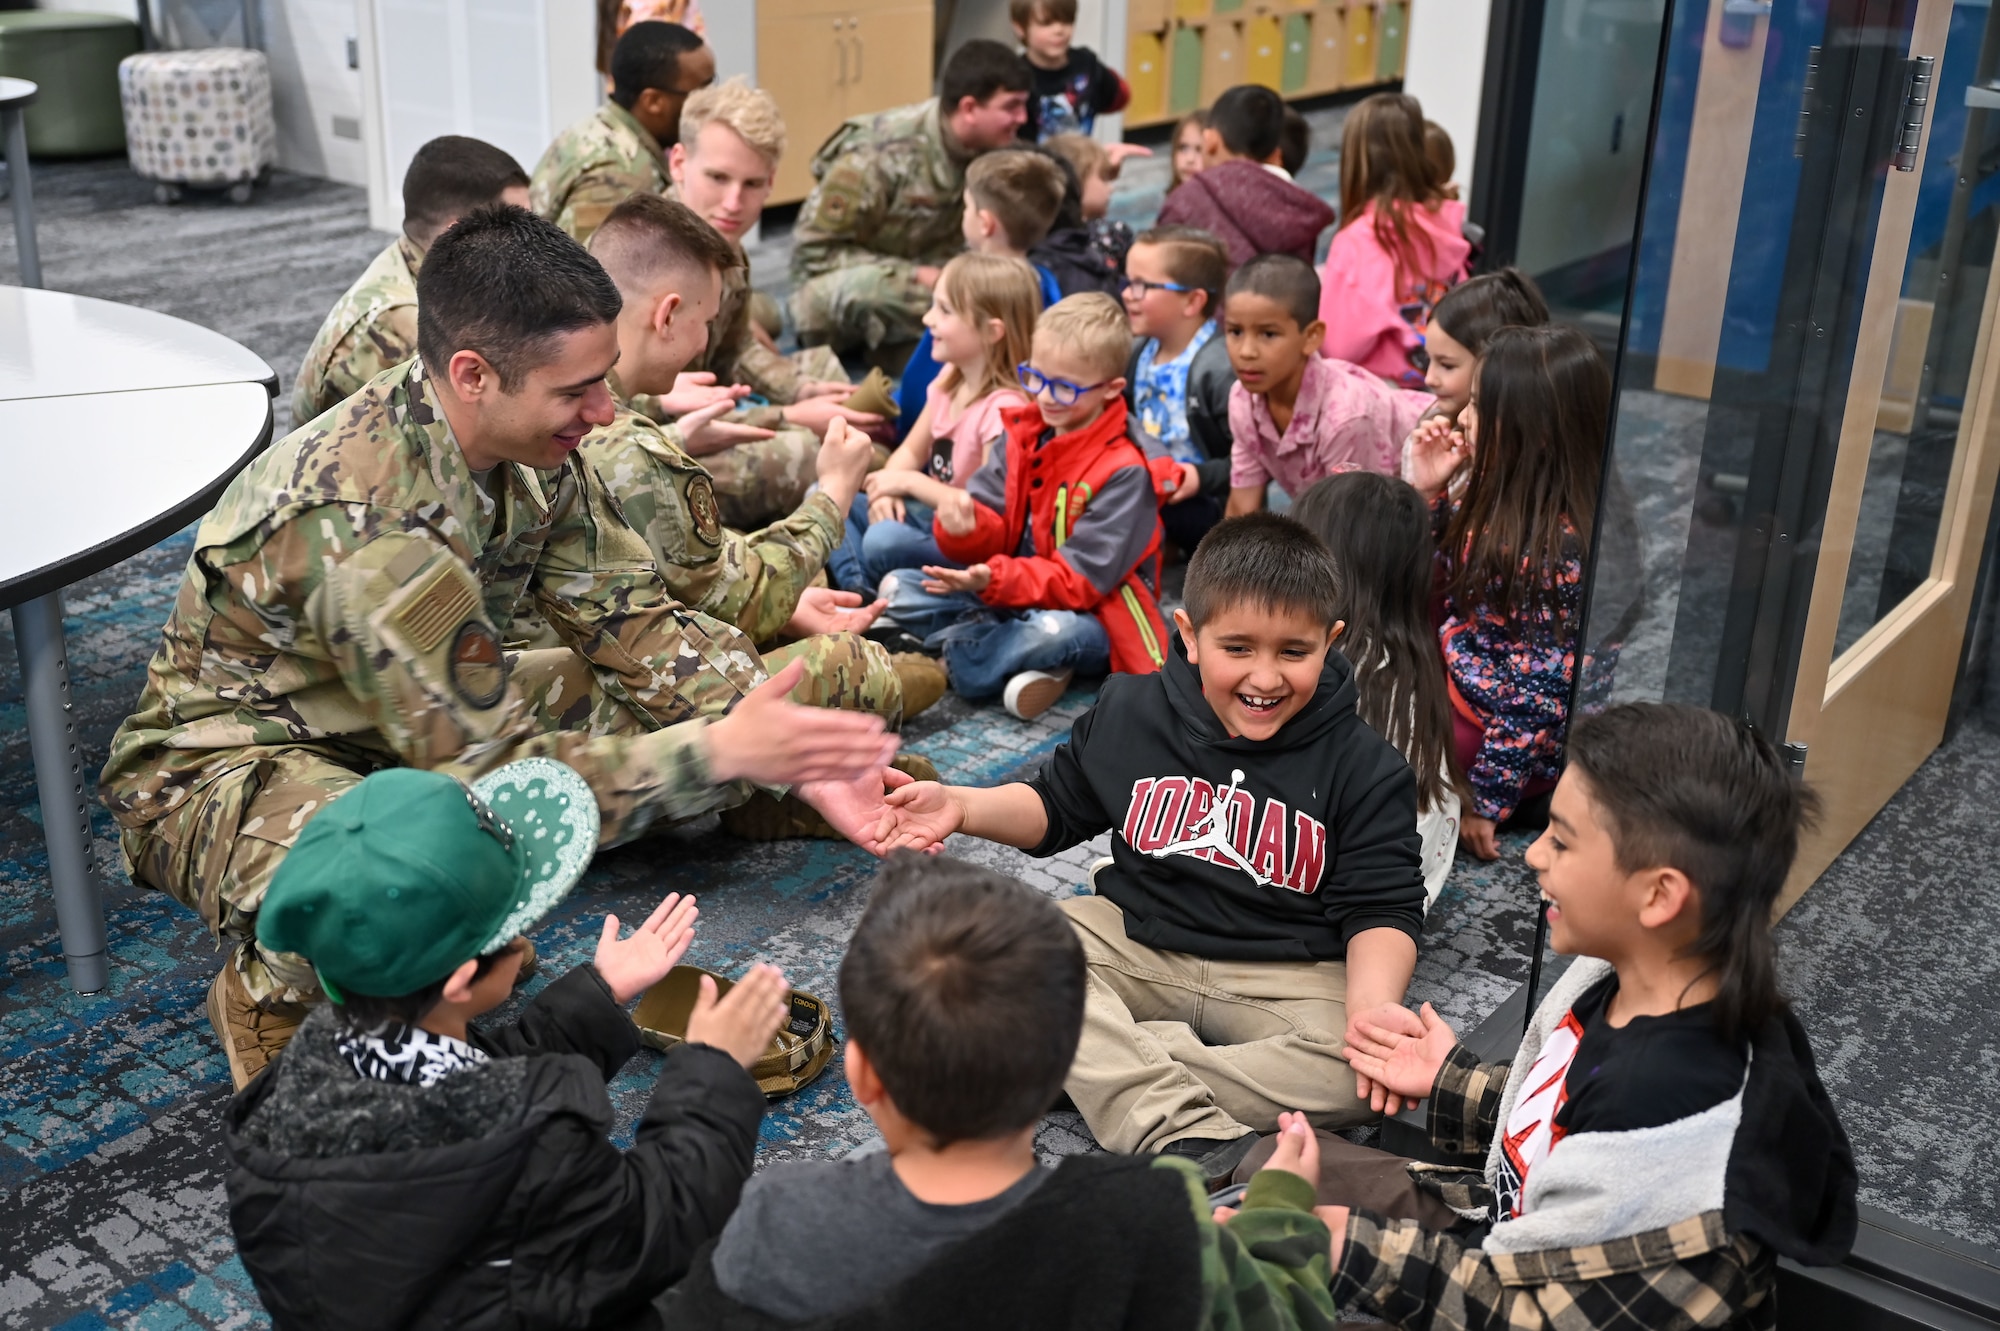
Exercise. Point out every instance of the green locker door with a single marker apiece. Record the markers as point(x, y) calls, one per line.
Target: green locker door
point(1226, 6)
point(1298, 52)
point(1184, 90)
point(1389, 50)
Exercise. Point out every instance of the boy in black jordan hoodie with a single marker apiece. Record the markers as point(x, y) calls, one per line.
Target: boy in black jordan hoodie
point(1264, 891)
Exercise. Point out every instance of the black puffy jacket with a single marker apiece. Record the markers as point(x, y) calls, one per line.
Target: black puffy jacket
point(493, 1198)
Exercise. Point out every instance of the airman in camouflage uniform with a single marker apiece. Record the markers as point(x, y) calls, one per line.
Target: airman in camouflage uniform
point(890, 199)
point(756, 481)
point(594, 165)
point(372, 327)
point(344, 610)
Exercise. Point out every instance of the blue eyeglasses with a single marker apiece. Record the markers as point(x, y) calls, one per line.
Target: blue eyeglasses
point(1061, 391)
point(1145, 288)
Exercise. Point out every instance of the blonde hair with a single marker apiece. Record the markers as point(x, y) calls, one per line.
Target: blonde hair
point(751, 112)
point(991, 286)
point(1094, 327)
point(1086, 154)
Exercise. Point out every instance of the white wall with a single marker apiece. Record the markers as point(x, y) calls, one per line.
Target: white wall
point(1444, 69)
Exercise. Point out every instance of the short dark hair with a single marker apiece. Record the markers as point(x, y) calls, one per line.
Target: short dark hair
point(979, 69)
point(1023, 12)
point(1690, 789)
point(1478, 307)
point(1295, 143)
point(368, 1013)
point(1284, 278)
point(1023, 189)
point(449, 177)
point(505, 283)
point(965, 989)
point(1193, 258)
point(648, 55)
point(1251, 120)
point(646, 234)
point(1262, 559)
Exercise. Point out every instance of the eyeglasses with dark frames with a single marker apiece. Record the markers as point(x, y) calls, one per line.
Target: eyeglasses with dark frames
point(1061, 391)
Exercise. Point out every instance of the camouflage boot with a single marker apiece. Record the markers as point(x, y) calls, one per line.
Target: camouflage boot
point(761, 818)
point(251, 1033)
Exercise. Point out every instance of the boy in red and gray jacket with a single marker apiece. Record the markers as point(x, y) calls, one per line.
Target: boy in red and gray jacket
point(1059, 532)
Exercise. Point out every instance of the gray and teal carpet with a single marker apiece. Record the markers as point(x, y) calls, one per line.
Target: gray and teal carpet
point(111, 1201)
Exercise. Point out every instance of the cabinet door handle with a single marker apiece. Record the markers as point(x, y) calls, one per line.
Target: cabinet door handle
point(841, 46)
point(857, 59)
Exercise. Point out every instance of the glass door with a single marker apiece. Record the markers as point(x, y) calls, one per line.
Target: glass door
point(1913, 478)
point(1801, 455)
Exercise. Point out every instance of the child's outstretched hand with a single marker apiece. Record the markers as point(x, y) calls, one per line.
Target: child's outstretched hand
point(919, 816)
point(942, 581)
point(742, 1023)
point(1396, 1061)
point(630, 966)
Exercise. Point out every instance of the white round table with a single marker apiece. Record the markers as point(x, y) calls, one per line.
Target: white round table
point(118, 426)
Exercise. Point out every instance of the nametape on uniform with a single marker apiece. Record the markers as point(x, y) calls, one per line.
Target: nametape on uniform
point(436, 608)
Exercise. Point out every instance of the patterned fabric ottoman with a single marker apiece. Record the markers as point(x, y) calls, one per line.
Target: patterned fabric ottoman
point(198, 118)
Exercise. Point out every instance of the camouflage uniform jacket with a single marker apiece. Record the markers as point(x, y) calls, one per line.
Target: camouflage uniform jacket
point(753, 581)
point(350, 593)
point(891, 192)
point(593, 166)
point(371, 328)
point(734, 356)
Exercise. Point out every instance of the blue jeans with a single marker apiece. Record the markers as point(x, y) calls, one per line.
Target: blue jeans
point(985, 646)
point(868, 550)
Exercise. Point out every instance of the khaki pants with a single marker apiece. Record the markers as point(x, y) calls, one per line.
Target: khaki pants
point(1180, 1046)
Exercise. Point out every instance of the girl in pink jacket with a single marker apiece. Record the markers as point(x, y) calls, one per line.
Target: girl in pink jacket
point(1401, 243)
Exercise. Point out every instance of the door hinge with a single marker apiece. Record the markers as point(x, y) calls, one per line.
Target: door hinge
point(1916, 105)
point(1806, 96)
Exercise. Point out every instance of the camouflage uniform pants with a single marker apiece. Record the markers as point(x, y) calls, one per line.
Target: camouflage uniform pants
point(758, 483)
point(217, 852)
point(860, 308)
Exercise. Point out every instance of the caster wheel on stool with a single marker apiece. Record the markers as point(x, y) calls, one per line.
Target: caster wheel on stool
point(166, 194)
point(240, 192)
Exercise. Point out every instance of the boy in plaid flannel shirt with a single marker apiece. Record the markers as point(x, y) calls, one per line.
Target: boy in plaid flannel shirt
point(1670, 1139)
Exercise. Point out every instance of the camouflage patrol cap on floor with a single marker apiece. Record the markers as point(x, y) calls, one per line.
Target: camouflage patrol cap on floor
point(799, 1052)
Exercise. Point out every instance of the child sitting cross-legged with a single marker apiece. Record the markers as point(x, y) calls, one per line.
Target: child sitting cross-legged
point(1263, 892)
point(1059, 533)
point(398, 1166)
point(963, 995)
point(1294, 414)
point(1662, 1138)
point(979, 326)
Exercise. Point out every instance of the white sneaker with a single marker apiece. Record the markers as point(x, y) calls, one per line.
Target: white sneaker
point(1033, 692)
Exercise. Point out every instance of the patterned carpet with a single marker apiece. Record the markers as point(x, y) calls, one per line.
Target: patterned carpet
point(111, 1200)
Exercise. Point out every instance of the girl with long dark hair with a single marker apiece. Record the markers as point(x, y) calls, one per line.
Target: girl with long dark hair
point(1510, 559)
point(1379, 532)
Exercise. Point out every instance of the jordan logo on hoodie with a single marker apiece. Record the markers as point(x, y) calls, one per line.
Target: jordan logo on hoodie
point(1179, 815)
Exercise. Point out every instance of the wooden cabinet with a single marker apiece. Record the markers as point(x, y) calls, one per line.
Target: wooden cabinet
point(826, 60)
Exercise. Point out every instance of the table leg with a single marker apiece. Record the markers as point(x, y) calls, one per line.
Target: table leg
point(16, 125)
point(59, 776)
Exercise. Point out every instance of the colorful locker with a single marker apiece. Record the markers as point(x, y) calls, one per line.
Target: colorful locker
point(1184, 72)
point(1297, 62)
point(1264, 51)
point(1360, 68)
point(1148, 16)
point(1191, 9)
point(1221, 58)
point(1146, 71)
point(1325, 71)
point(1389, 44)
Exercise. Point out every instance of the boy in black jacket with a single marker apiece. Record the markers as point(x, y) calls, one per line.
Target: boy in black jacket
point(1264, 892)
point(395, 1168)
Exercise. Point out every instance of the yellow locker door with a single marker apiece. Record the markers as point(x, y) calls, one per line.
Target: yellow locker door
point(1146, 71)
point(1360, 65)
point(1264, 51)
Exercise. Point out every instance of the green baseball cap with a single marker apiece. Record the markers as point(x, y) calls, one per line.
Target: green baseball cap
point(404, 878)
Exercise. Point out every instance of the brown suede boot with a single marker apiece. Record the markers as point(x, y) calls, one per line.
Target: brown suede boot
point(923, 678)
point(251, 1033)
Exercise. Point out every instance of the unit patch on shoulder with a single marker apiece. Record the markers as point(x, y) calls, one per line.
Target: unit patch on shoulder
point(701, 508)
point(478, 666)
